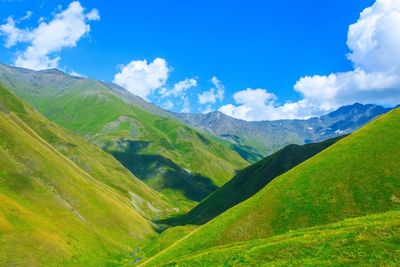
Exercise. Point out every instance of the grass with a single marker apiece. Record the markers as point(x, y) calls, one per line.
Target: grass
point(63, 200)
point(365, 241)
point(249, 181)
point(356, 176)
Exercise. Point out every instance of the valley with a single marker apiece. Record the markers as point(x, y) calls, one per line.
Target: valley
point(139, 181)
point(199, 133)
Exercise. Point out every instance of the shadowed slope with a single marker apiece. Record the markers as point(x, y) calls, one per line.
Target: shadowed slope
point(249, 181)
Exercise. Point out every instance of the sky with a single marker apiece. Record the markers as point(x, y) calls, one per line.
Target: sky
point(253, 60)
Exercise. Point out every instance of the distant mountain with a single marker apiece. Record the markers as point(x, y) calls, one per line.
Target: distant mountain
point(256, 139)
point(64, 201)
point(357, 176)
point(171, 157)
point(249, 181)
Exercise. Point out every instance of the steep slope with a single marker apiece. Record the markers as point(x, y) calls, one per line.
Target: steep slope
point(356, 176)
point(257, 139)
point(249, 181)
point(169, 156)
point(364, 241)
point(64, 200)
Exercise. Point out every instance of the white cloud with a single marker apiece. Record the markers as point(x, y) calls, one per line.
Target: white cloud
point(208, 97)
point(179, 94)
point(149, 81)
point(77, 74)
point(220, 87)
point(64, 30)
point(207, 109)
point(93, 15)
point(13, 34)
point(185, 105)
point(252, 104)
point(180, 88)
point(374, 43)
point(211, 96)
point(142, 78)
point(259, 104)
point(27, 16)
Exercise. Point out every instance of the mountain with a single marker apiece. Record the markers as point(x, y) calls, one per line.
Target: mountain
point(63, 200)
point(257, 139)
point(249, 181)
point(171, 157)
point(357, 176)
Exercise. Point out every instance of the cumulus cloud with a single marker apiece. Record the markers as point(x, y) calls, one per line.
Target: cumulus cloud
point(149, 81)
point(374, 43)
point(211, 96)
point(259, 104)
point(252, 104)
point(142, 78)
point(64, 30)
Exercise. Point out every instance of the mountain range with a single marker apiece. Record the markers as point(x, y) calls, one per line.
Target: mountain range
point(184, 156)
point(92, 175)
point(254, 140)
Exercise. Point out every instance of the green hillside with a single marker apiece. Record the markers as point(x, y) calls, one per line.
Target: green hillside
point(152, 246)
point(63, 200)
point(364, 241)
point(356, 176)
point(169, 156)
point(249, 181)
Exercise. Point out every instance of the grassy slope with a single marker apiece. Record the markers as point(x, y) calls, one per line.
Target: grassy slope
point(151, 247)
point(249, 181)
point(365, 241)
point(358, 175)
point(63, 200)
point(172, 158)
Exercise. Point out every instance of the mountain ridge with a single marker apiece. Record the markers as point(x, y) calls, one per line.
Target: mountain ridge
point(262, 138)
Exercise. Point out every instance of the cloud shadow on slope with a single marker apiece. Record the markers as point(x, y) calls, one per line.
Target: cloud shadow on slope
point(160, 172)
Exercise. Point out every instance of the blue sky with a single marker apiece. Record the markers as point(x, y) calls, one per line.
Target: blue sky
point(262, 46)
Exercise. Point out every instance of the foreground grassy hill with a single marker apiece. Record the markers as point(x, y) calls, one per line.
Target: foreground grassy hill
point(249, 181)
point(364, 241)
point(63, 200)
point(166, 154)
point(356, 176)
